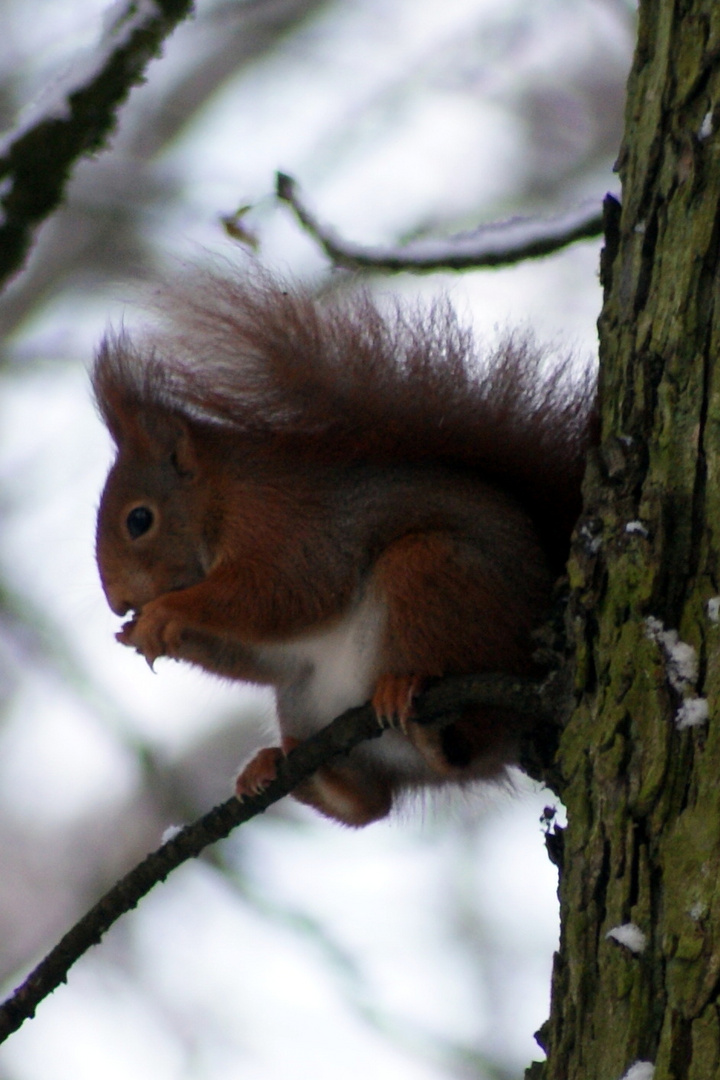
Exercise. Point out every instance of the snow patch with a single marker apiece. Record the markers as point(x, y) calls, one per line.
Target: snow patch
point(692, 713)
point(640, 1070)
point(629, 935)
point(681, 658)
point(706, 128)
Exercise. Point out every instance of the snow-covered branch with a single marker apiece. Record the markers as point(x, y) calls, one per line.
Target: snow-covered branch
point(37, 157)
point(499, 244)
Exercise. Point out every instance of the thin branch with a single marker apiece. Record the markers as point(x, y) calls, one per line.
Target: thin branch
point(36, 159)
point(500, 244)
point(436, 706)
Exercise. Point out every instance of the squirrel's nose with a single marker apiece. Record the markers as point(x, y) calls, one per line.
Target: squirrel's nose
point(116, 601)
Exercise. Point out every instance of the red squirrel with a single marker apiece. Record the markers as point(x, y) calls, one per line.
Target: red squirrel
point(342, 503)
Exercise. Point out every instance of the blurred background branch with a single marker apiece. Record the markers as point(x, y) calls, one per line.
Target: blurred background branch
point(37, 158)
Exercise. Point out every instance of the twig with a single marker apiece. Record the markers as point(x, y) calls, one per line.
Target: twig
point(436, 706)
point(499, 244)
point(36, 158)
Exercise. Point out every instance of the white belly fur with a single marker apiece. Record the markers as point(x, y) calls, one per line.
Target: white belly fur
point(321, 674)
point(325, 672)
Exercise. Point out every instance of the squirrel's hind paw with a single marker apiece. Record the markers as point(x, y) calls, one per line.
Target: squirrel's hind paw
point(258, 772)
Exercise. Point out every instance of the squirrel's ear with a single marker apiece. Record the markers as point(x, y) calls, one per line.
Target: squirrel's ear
point(183, 454)
point(168, 437)
point(153, 433)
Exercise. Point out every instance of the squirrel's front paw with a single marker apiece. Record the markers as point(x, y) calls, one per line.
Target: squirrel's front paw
point(154, 632)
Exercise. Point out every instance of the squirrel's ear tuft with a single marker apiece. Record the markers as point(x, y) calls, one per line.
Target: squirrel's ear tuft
point(132, 395)
point(118, 382)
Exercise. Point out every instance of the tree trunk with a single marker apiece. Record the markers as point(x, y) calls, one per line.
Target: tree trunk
point(640, 759)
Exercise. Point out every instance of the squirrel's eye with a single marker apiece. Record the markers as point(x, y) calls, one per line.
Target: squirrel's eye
point(139, 521)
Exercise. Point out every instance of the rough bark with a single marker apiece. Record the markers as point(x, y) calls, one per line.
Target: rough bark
point(643, 790)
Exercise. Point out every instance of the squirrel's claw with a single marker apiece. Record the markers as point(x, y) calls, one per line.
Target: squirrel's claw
point(258, 773)
point(148, 633)
point(393, 699)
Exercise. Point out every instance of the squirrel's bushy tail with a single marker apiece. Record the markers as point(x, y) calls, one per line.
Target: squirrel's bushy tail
point(340, 379)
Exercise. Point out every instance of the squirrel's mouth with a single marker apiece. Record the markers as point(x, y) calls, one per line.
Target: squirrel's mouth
point(128, 592)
